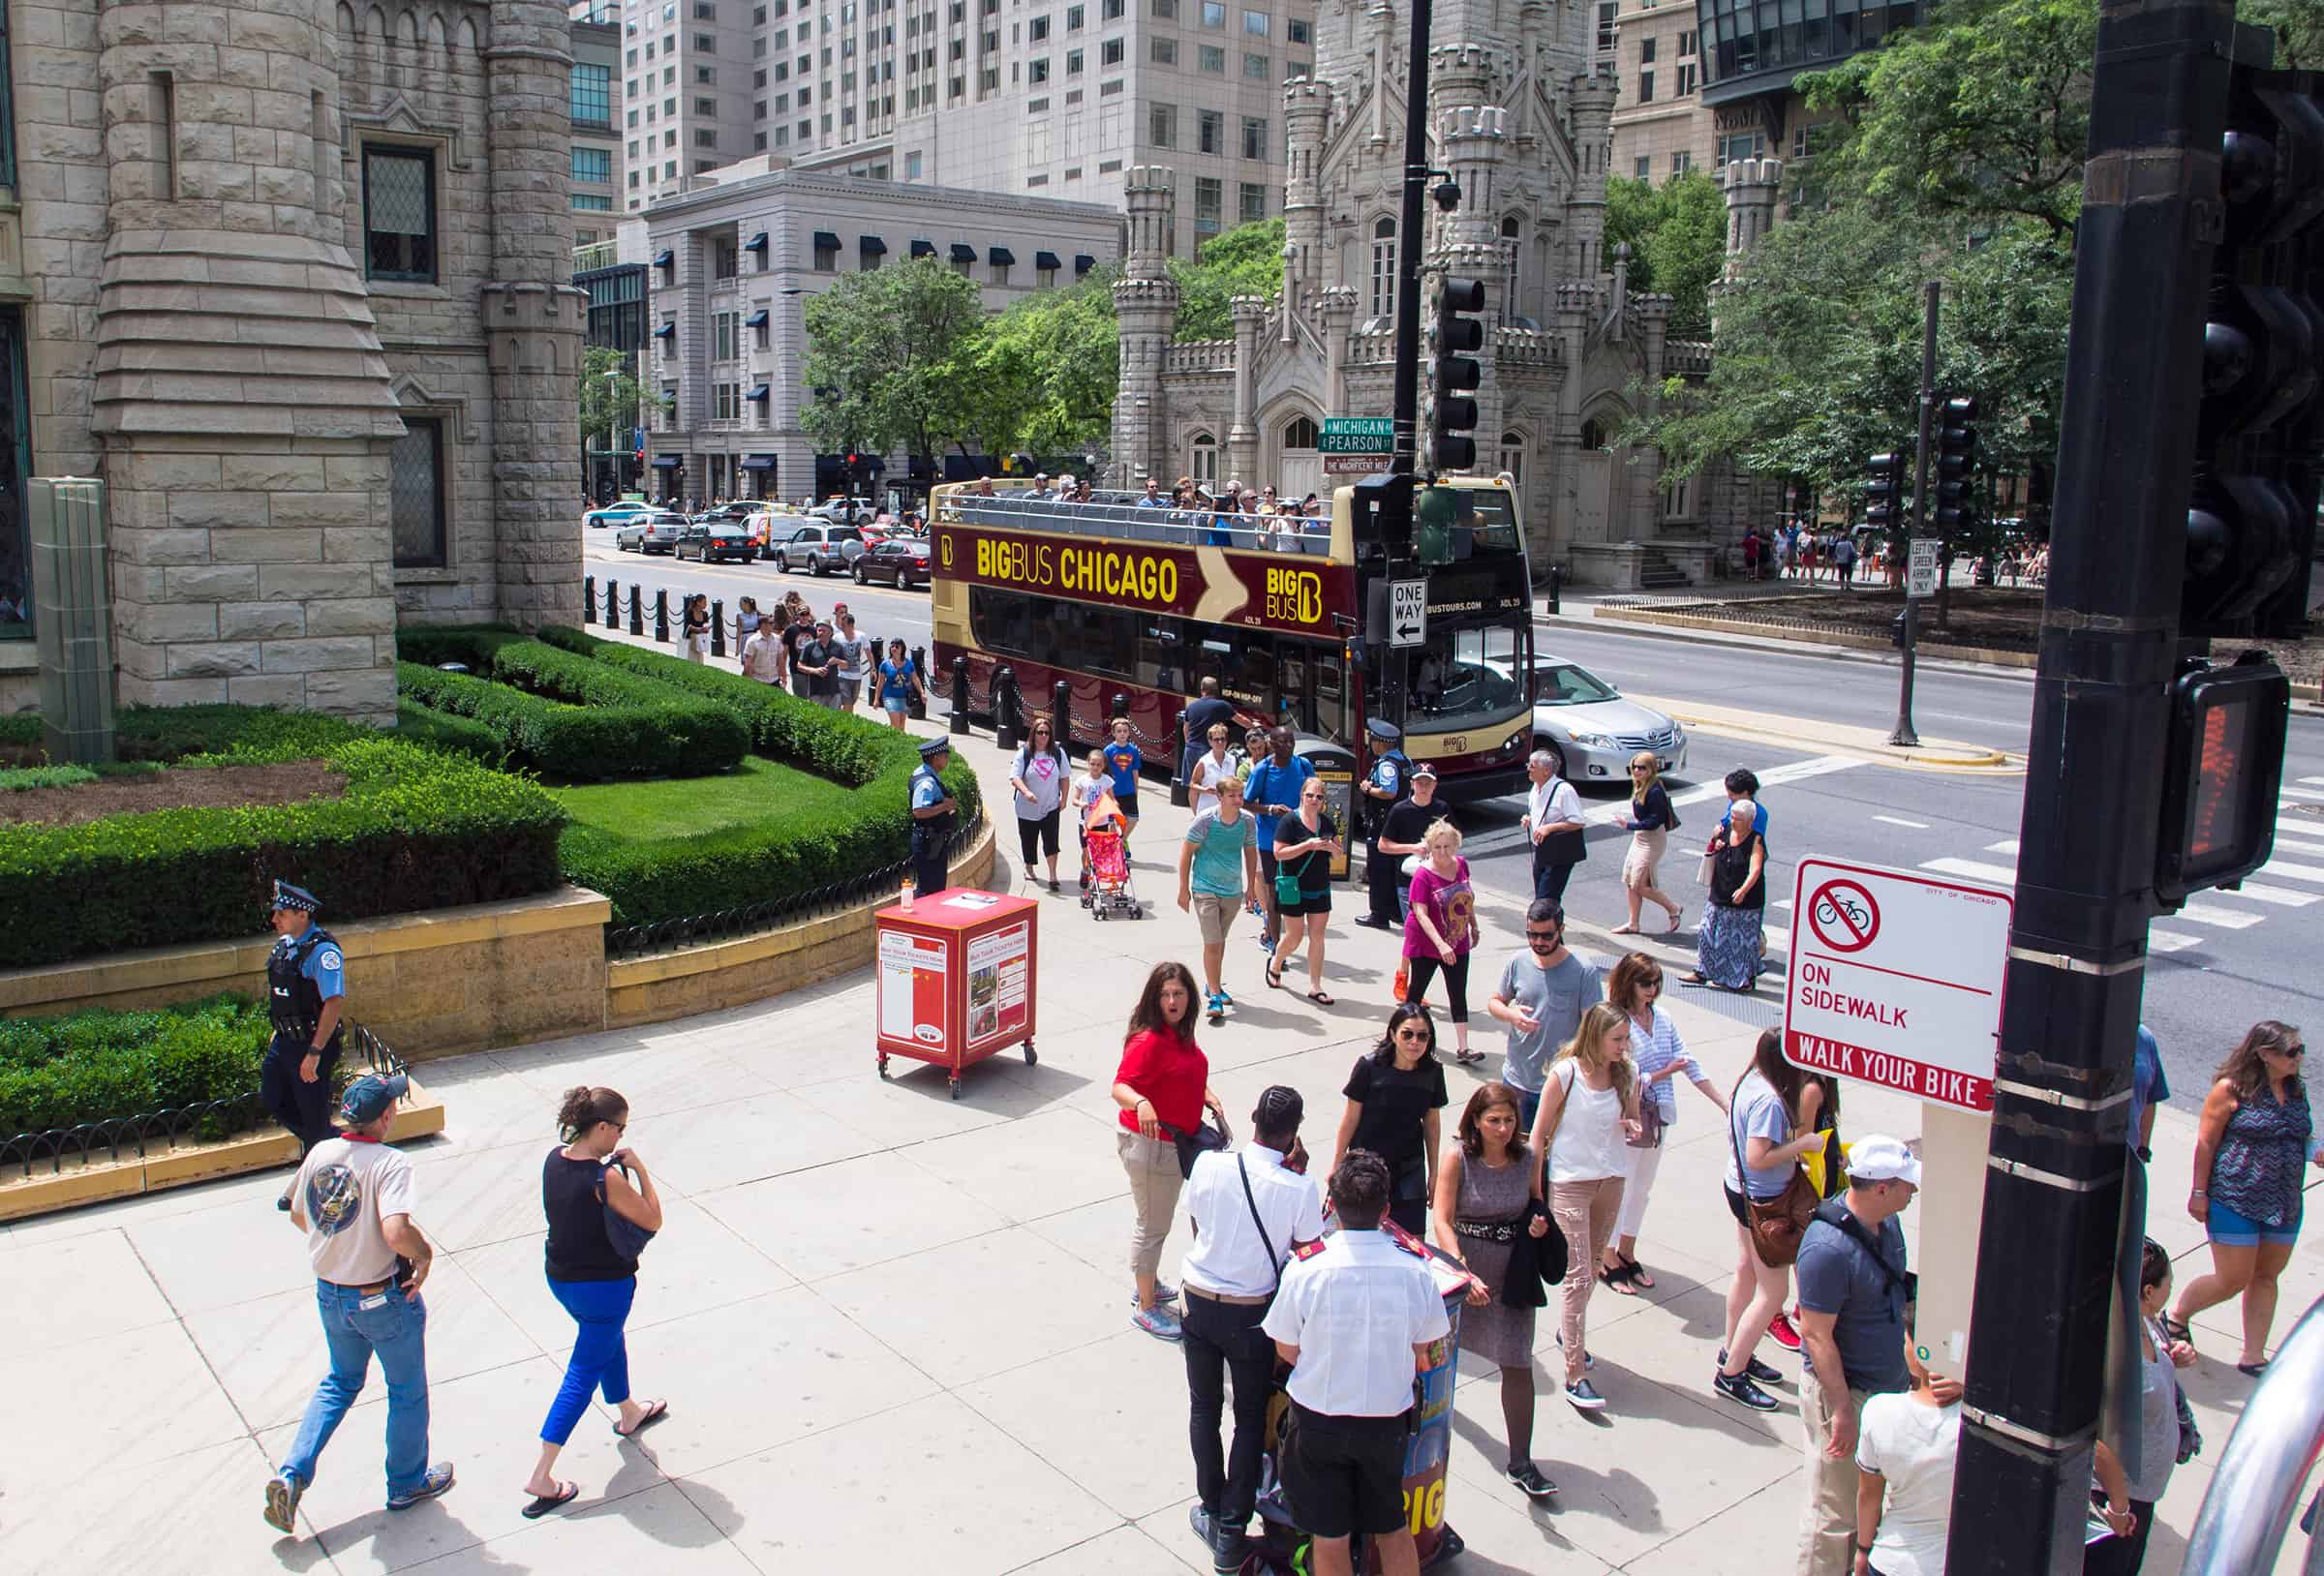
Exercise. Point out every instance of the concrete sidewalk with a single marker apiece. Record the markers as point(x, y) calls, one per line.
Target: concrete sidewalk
point(892, 1328)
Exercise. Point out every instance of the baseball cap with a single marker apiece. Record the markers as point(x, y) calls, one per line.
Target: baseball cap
point(1879, 1158)
point(368, 1098)
point(1423, 770)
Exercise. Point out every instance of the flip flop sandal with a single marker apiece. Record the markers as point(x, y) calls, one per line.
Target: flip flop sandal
point(1617, 1280)
point(653, 1414)
point(2178, 1331)
point(1322, 998)
point(546, 1502)
point(1274, 978)
point(2253, 1370)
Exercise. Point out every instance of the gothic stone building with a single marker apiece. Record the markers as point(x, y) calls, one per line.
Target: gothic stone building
point(1518, 118)
point(292, 278)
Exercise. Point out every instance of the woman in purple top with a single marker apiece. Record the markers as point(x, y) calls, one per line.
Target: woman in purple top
point(1442, 928)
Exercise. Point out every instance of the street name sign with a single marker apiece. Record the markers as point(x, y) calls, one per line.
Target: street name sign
point(1407, 612)
point(1896, 979)
point(1361, 464)
point(1358, 434)
point(1920, 569)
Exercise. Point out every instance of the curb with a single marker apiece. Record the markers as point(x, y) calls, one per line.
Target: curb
point(1927, 651)
point(1934, 755)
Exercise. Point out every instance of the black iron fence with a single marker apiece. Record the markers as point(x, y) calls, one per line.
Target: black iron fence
point(118, 1137)
point(606, 611)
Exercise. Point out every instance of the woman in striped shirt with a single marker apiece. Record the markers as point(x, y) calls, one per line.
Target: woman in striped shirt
point(1660, 1057)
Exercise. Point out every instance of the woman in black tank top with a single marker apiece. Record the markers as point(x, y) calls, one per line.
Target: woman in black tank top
point(590, 1275)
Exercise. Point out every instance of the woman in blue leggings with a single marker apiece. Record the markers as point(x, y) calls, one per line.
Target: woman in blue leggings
point(582, 1178)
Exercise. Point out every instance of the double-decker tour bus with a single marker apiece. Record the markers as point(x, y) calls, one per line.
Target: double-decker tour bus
point(1116, 600)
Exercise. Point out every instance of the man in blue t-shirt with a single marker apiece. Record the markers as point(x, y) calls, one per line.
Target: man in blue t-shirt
point(2149, 1088)
point(1272, 793)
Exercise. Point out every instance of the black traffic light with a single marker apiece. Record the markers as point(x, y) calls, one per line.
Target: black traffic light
point(2250, 524)
point(1885, 494)
point(1459, 331)
point(2220, 777)
point(1380, 509)
point(1956, 457)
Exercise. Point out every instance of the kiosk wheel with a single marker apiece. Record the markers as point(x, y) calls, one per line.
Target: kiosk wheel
point(883, 1064)
point(956, 1086)
point(1033, 1058)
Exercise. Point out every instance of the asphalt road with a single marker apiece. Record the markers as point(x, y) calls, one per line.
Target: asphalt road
point(2225, 960)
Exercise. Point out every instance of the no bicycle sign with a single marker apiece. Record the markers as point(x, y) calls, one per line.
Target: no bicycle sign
point(1896, 979)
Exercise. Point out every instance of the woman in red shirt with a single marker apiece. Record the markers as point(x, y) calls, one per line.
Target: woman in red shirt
point(1162, 1087)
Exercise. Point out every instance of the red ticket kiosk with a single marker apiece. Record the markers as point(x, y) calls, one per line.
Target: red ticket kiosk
point(955, 977)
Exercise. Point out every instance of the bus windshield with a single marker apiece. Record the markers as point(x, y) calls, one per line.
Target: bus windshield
point(1467, 680)
point(1493, 526)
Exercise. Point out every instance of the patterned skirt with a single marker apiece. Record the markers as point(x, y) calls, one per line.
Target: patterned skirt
point(1726, 946)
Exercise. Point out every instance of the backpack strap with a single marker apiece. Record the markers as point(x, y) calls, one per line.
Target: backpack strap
point(1833, 1212)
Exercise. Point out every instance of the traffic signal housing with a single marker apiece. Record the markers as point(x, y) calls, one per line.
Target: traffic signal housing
point(1956, 457)
point(2223, 763)
point(1457, 333)
point(1885, 494)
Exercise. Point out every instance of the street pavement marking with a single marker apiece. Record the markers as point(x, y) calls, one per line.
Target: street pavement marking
point(1606, 815)
point(2297, 846)
point(2280, 896)
point(2295, 873)
point(2314, 782)
point(2226, 919)
point(2008, 845)
point(2291, 797)
point(2170, 941)
point(1900, 821)
point(1779, 938)
point(2001, 875)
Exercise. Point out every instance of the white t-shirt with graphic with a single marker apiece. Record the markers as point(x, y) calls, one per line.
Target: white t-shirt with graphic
point(345, 1189)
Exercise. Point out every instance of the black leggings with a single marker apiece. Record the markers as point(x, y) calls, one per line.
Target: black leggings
point(1033, 836)
point(1424, 969)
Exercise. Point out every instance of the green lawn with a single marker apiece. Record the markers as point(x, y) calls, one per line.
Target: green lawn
point(757, 791)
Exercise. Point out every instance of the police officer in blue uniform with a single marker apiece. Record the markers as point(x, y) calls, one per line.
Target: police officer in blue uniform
point(932, 817)
point(1382, 786)
point(306, 997)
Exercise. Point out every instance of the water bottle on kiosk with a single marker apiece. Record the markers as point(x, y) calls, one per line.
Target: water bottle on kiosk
point(904, 899)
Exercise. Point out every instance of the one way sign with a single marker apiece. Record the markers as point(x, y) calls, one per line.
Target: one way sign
point(1407, 612)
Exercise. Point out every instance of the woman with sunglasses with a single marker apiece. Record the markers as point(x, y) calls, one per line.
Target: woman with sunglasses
point(1650, 822)
point(582, 1178)
point(1305, 840)
point(1393, 1095)
point(1037, 781)
point(2256, 1130)
point(1660, 1056)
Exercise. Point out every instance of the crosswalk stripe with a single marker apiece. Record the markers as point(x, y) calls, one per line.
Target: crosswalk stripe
point(2278, 897)
point(2295, 872)
point(2294, 845)
point(2314, 782)
point(1779, 938)
point(2312, 794)
point(2170, 941)
point(2008, 845)
point(2001, 875)
point(1900, 821)
point(2226, 919)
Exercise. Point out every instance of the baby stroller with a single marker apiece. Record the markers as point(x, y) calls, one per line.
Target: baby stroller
point(1109, 895)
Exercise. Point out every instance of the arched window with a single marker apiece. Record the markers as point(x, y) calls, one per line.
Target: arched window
point(1513, 248)
point(1300, 432)
point(1384, 268)
point(1593, 433)
point(1512, 457)
point(1203, 464)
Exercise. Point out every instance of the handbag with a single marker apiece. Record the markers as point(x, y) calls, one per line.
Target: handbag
point(1650, 1123)
point(627, 1238)
point(1201, 1140)
point(1777, 1223)
point(1287, 887)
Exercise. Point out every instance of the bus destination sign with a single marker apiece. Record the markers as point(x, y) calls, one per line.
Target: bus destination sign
point(1210, 584)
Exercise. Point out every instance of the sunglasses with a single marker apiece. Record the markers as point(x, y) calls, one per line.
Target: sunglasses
point(1412, 1034)
point(1543, 941)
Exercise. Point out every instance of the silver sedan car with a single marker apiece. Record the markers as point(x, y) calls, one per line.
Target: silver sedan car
point(1589, 722)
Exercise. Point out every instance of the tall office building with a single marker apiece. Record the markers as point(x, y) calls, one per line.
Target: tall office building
point(596, 104)
point(1046, 97)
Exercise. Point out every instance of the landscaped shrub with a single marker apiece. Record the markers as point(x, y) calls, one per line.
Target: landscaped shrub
point(415, 828)
point(92, 1066)
point(25, 777)
point(469, 645)
point(418, 724)
point(626, 727)
point(701, 737)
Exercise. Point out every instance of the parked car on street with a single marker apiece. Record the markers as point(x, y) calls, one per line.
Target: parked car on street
point(900, 561)
point(649, 534)
point(721, 542)
point(616, 514)
point(820, 548)
point(774, 528)
point(1595, 728)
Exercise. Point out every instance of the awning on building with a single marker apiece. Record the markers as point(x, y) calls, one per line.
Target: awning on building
point(666, 331)
point(665, 257)
point(1046, 260)
point(826, 241)
point(1082, 262)
point(759, 393)
point(668, 462)
point(756, 243)
point(1000, 257)
point(756, 320)
point(924, 249)
point(963, 251)
point(759, 462)
point(870, 246)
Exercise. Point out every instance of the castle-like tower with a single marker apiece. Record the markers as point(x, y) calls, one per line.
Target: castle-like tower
point(1525, 129)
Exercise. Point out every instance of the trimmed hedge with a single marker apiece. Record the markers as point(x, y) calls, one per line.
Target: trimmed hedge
point(471, 644)
point(414, 828)
point(570, 717)
point(441, 730)
point(100, 1065)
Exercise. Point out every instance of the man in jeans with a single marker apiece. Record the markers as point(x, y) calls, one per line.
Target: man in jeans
point(1855, 1332)
point(353, 1198)
point(1543, 991)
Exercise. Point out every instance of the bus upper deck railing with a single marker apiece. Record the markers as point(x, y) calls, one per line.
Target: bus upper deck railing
point(2254, 1492)
point(1118, 516)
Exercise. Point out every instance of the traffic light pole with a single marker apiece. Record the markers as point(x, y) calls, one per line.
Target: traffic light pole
point(1396, 661)
point(2055, 1178)
point(1932, 294)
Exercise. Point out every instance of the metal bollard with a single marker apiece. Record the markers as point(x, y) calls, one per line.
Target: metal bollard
point(661, 615)
point(1060, 713)
point(918, 705)
point(717, 628)
point(960, 694)
point(1557, 586)
point(589, 599)
point(1006, 732)
point(638, 622)
point(613, 605)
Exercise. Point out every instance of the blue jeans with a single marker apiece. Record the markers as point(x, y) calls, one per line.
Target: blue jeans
point(600, 1359)
point(355, 1326)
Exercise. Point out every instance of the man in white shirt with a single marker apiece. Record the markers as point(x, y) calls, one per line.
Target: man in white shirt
point(1553, 821)
point(763, 655)
point(1250, 1210)
point(353, 1198)
point(1355, 1317)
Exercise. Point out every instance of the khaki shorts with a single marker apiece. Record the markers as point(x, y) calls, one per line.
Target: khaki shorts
point(1215, 914)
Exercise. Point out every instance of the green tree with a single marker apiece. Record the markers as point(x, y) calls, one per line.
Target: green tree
point(2299, 26)
point(608, 395)
point(1245, 260)
point(1677, 237)
point(887, 360)
point(1045, 371)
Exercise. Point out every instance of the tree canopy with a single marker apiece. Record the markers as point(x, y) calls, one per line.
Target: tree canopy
point(1245, 260)
point(608, 395)
point(1677, 237)
point(889, 360)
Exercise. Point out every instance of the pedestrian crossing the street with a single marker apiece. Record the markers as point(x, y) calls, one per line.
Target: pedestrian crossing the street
point(1612, 815)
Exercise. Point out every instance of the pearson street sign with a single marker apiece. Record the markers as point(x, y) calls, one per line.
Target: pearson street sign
point(1358, 434)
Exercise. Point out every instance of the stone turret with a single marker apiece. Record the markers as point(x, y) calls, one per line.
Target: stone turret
point(1145, 310)
point(1754, 186)
point(1592, 101)
point(1242, 432)
point(1306, 124)
point(241, 405)
point(533, 313)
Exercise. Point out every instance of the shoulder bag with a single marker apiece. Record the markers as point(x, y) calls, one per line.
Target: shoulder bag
point(1243, 1171)
point(1777, 1223)
point(1202, 1140)
point(1833, 1212)
point(627, 1238)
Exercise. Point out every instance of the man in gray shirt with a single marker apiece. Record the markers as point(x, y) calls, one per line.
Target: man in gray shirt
point(1543, 993)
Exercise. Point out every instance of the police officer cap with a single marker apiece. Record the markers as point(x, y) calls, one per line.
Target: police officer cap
point(935, 748)
point(1387, 733)
point(286, 896)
